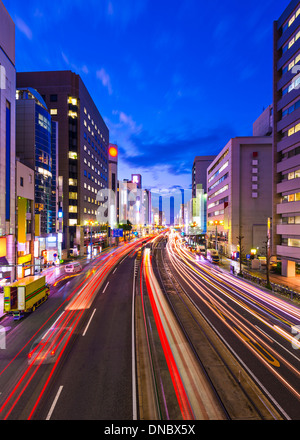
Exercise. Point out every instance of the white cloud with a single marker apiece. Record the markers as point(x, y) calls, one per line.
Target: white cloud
point(105, 79)
point(23, 27)
point(77, 69)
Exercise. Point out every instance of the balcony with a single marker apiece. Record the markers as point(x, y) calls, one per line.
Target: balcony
point(289, 230)
point(288, 185)
point(290, 207)
point(288, 252)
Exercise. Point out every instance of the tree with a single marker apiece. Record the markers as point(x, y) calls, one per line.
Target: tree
point(127, 227)
point(241, 250)
point(268, 259)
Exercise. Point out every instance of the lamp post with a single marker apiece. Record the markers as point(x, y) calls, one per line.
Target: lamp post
point(218, 223)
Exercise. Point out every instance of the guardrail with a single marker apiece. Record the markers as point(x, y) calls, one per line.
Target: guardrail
point(276, 288)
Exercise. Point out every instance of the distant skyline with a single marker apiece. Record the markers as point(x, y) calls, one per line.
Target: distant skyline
point(172, 79)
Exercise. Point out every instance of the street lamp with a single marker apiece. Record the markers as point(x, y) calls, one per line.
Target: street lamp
point(217, 223)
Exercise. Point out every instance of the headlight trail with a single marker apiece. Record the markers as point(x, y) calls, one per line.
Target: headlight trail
point(56, 338)
point(220, 291)
point(195, 397)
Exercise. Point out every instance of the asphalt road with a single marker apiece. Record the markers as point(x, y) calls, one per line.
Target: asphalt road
point(89, 376)
point(255, 326)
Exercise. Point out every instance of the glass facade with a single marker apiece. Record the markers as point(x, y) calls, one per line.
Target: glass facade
point(43, 167)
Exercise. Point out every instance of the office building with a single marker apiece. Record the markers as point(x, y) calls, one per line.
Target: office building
point(239, 195)
point(83, 140)
point(263, 126)
point(113, 185)
point(7, 146)
point(36, 146)
point(200, 165)
point(286, 139)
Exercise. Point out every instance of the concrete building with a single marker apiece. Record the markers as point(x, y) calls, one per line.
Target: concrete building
point(113, 185)
point(27, 246)
point(239, 195)
point(263, 126)
point(200, 165)
point(286, 139)
point(7, 146)
point(37, 147)
point(83, 151)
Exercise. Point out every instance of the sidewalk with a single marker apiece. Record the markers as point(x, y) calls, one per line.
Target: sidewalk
point(292, 283)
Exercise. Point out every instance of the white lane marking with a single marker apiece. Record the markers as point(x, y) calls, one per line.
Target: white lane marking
point(87, 326)
point(106, 286)
point(134, 387)
point(54, 403)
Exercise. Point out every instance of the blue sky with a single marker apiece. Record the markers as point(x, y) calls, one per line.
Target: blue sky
point(173, 79)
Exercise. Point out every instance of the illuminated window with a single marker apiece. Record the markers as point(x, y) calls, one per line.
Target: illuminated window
point(73, 195)
point(72, 222)
point(72, 182)
point(291, 198)
point(73, 209)
point(72, 101)
point(53, 111)
point(72, 114)
point(291, 131)
point(72, 155)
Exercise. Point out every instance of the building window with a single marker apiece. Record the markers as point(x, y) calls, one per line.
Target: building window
point(53, 111)
point(21, 181)
point(53, 98)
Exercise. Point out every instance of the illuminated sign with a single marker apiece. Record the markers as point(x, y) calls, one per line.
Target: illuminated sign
point(3, 247)
point(113, 152)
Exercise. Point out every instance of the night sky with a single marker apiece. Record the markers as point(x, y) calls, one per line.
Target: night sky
point(172, 79)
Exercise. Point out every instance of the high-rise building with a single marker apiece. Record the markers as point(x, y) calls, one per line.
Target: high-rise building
point(7, 146)
point(263, 126)
point(113, 185)
point(199, 172)
point(27, 264)
point(239, 195)
point(286, 139)
point(83, 140)
point(36, 147)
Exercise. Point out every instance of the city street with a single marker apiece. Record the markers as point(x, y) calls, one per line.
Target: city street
point(87, 320)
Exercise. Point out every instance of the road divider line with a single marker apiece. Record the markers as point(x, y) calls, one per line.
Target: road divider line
point(54, 403)
point(87, 326)
point(106, 286)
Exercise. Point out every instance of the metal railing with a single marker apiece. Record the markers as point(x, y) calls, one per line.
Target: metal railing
point(276, 288)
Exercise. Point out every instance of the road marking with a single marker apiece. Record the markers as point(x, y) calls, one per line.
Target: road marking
point(87, 326)
point(134, 387)
point(115, 269)
point(54, 403)
point(106, 286)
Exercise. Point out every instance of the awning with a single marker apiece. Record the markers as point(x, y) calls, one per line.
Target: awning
point(3, 261)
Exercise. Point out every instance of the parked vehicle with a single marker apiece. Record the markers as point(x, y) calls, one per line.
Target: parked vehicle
point(213, 256)
point(25, 295)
